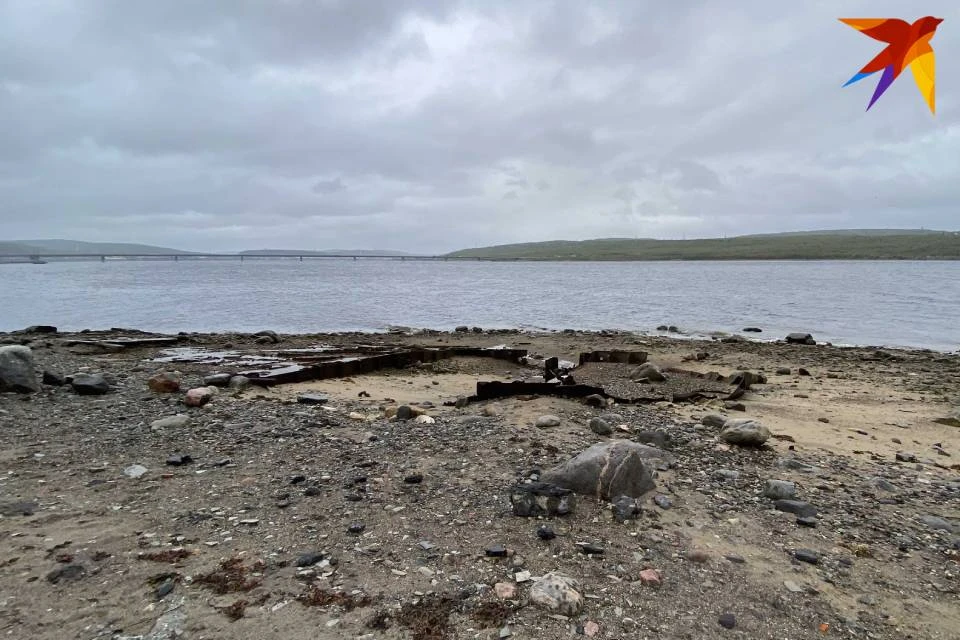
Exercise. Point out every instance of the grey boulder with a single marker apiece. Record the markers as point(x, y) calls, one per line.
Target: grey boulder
point(17, 370)
point(744, 432)
point(86, 384)
point(609, 469)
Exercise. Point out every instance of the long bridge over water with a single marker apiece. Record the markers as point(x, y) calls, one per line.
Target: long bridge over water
point(40, 258)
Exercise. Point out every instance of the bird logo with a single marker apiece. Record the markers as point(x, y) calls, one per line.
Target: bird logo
point(907, 45)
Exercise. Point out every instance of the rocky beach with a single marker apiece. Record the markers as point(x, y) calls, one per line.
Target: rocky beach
point(246, 486)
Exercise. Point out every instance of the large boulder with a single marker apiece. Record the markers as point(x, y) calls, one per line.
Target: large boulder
point(609, 469)
point(557, 593)
point(17, 370)
point(744, 432)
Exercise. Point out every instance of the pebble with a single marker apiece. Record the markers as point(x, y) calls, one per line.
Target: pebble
point(779, 490)
point(600, 427)
point(312, 399)
point(496, 551)
point(546, 533)
point(590, 549)
point(135, 471)
point(505, 590)
point(792, 586)
point(171, 422)
point(796, 507)
point(650, 577)
point(662, 501)
point(807, 522)
point(727, 621)
point(198, 397)
point(309, 559)
point(544, 422)
point(357, 527)
point(414, 478)
point(807, 555)
point(906, 456)
point(179, 459)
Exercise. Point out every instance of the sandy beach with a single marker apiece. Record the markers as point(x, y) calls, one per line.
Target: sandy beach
point(374, 505)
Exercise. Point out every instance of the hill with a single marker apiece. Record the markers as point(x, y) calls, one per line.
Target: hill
point(113, 248)
point(17, 248)
point(324, 252)
point(825, 245)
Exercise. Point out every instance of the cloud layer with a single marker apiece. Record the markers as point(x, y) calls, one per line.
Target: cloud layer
point(396, 124)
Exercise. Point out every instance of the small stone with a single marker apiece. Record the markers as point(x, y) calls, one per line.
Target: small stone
point(414, 478)
point(792, 586)
point(172, 422)
point(802, 372)
point(18, 369)
point(590, 549)
point(198, 397)
point(779, 490)
point(557, 593)
point(807, 555)
point(164, 382)
point(544, 422)
point(545, 533)
point(179, 459)
point(726, 474)
point(783, 371)
point(698, 556)
point(713, 420)
point(600, 427)
point(357, 527)
point(86, 384)
point(217, 380)
point(824, 420)
point(937, 524)
point(869, 600)
point(796, 507)
point(591, 628)
point(496, 551)
point(624, 508)
point(297, 479)
point(239, 383)
point(809, 522)
point(650, 577)
point(66, 572)
point(505, 590)
point(734, 406)
point(744, 432)
point(135, 471)
point(165, 588)
point(800, 338)
point(425, 419)
point(906, 456)
point(404, 412)
point(312, 399)
point(727, 621)
point(662, 501)
point(309, 559)
point(522, 576)
point(53, 378)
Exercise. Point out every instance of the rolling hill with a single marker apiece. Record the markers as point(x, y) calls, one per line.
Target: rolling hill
point(885, 244)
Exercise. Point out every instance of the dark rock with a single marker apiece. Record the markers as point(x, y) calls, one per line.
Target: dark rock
point(673, 329)
point(713, 420)
point(53, 378)
point(545, 533)
point(752, 330)
point(937, 524)
point(17, 370)
point(309, 559)
point(600, 427)
point(414, 478)
point(40, 328)
point(312, 398)
point(802, 372)
point(806, 555)
point(86, 384)
point(404, 412)
point(591, 549)
point(357, 527)
point(312, 491)
point(609, 469)
point(624, 508)
point(534, 499)
point(66, 572)
point(662, 501)
point(660, 439)
point(952, 420)
point(595, 400)
point(462, 329)
point(648, 371)
point(808, 522)
point(297, 479)
point(165, 588)
point(178, 460)
point(217, 379)
point(727, 621)
point(726, 474)
point(906, 456)
point(662, 327)
point(734, 406)
point(267, 337)
point(8, 509)
point(496, 551)
point(796, 507)
point(783, 371)
point(800, 338)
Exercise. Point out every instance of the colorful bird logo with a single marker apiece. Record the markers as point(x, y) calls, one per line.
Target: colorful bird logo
point(907, 44)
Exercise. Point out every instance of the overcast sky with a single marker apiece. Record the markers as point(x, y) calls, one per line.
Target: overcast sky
point(432, 126)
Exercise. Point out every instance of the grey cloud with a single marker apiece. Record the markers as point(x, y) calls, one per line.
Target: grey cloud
point(229, 123)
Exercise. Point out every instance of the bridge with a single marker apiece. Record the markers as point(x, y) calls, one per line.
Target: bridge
point(176, 257)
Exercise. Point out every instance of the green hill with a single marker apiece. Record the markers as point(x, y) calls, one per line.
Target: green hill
point(822, 245)
point(113, 248)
